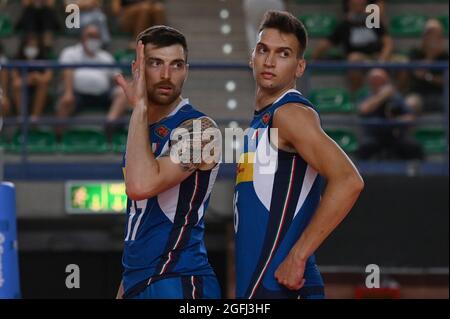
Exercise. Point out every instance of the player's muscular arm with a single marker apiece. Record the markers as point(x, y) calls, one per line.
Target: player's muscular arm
point(299, 127)
point(147, 176)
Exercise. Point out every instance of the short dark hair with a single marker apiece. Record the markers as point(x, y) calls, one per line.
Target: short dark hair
point(287, 23)
point(163, 36)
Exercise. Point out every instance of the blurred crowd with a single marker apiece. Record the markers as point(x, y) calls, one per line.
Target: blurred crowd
point(40, 21)
point(400, 96)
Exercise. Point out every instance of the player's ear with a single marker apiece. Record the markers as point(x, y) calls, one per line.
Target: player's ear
point(250, 61)
point(250, 64)
point(301, 66)
point(187, 71)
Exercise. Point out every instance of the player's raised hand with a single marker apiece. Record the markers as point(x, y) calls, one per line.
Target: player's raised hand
point(290, 272)
point(135, 90)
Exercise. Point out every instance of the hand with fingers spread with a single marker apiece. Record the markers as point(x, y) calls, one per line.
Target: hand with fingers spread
point(136, 89)
point(291, 271)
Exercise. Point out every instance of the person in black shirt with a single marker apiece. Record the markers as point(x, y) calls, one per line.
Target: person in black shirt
point(385, 103)
point(41, 17)
point(31, 49)
point(427, 86)
point(359, 42)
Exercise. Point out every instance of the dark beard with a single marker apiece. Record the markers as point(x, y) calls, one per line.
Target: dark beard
point(153, 98)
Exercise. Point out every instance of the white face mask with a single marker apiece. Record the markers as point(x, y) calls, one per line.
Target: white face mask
point(31, 52)
point(93, 45)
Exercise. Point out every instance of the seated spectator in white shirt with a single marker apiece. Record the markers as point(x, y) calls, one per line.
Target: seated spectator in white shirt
point(87, 87)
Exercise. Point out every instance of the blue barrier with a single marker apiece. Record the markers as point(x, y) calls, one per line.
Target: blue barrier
point(9, 263)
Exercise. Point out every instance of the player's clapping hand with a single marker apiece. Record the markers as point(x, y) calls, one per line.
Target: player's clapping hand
point(290, 272)
point(135, 90)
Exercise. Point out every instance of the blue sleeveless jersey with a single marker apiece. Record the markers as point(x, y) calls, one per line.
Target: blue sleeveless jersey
point(164, 233)
point(276, 194)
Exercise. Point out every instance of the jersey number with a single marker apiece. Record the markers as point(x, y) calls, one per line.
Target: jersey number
point(137, 210)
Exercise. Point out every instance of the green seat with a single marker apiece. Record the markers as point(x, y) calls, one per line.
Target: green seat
point(444, 21)
point(319, 25)
point(125, 56)
point(6, 26)
point(407, 25)
point(84, 141)
point(346, 139)
point(119, 141)
point(432, 140)
point(38, 141)
point(331, 100)
point(3, 143)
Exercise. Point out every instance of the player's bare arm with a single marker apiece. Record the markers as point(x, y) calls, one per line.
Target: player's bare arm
point(299, 128)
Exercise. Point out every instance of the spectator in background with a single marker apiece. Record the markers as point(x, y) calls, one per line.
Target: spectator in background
point(137, 15)
point(361, 44)
point(385, 103)
point(91, 13)
point(254, 11)
point(380, 3)
point(87, 87)
point(39, 16)
point(5, 105)
point(427, 86)
point(38, 80)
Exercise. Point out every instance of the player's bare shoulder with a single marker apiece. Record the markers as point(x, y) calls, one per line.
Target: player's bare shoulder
point(294, 116)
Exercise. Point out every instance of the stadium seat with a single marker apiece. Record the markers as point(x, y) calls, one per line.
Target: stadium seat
point(407, 25)
point(84, 141)
point(346, 139)
point(432, 139)
point(119, 141)
point(331, 100)
point(3, 143)
point(125, 56)
point(39, 141)
point(6, 27)
point(319, 25)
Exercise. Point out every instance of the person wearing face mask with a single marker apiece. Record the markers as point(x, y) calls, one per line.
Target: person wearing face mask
point(88, 87)
point(39, 16)
point(91, 13)
point(360, 43)
point(38, 79)
point(427, 86)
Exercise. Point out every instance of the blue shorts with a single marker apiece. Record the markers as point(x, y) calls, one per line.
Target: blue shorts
point(186, 287)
